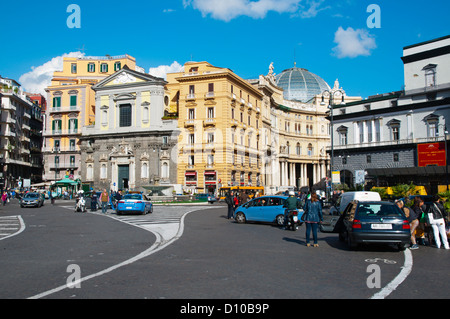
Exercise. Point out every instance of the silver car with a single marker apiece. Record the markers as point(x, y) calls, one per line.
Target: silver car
point(32, 200)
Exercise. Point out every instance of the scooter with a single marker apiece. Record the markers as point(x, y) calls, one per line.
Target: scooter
point(292, 220)
point(80, 206)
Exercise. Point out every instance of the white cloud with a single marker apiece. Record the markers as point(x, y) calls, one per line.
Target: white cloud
point(230, 9)
point(162, 70)
point(352, 43)
point(40, 77)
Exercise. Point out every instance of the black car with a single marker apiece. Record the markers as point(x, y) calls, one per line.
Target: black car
point(373, 222)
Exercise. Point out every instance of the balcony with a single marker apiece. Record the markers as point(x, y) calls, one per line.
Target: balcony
point(66, 109)
point(55, 166)
point(189, 123)
point(209, 122)
point(209, 95)
point(190, 97)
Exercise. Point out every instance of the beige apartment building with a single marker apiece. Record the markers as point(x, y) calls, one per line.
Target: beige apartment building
point(219, 118)
point(71, 105)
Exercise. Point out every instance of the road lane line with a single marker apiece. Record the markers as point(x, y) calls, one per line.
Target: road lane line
point(406, 270)
point(21, 224)
point(159, 244)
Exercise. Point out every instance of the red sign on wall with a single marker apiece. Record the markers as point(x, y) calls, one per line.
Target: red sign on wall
point(431, 154)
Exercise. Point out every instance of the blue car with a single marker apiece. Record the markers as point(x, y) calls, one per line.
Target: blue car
point(134, 204)
point(268, 209)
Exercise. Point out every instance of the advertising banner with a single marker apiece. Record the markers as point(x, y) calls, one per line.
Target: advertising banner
point(431, 154)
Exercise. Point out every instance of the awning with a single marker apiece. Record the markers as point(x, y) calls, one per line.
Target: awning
point(210, 173)
point(191, 173)
point(66, 182)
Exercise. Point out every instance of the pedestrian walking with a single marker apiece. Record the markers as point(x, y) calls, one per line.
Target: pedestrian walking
point(230, 202)
point(313, 216)
point(435, 213)
point(4, 198)
point(104, 199)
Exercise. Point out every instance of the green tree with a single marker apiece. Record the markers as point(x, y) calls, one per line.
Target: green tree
point(403, 190)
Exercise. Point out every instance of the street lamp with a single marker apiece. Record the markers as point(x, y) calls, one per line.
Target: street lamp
point(331, 95)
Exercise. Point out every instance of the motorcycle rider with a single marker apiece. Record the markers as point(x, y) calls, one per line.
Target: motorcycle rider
point(291, 204)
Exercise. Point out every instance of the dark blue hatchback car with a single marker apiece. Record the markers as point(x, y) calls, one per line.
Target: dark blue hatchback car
point(373, 222)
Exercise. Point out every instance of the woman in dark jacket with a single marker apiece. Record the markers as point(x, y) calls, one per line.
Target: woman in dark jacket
point(313, 216)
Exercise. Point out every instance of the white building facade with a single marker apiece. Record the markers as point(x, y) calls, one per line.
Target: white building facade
point(385, 135)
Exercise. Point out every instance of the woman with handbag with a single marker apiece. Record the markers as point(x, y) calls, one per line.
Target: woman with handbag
point(435, 214)
point(312, 218)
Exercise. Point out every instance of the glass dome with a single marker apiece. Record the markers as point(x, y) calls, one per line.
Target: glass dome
point(300, 84)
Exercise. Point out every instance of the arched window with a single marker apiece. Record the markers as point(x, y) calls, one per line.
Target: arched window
point(165, 170)
point(310, 150)
point(144, 170)
point(90, 172)
point(103, 171)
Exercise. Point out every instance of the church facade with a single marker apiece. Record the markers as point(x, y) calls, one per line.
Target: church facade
point(130, 145)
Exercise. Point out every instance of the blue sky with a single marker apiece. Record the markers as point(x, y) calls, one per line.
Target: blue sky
point(329, 38)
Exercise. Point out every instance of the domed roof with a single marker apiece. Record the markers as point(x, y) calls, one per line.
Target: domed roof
point(300, 84)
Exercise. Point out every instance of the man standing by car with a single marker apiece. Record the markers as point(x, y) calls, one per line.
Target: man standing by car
point(104, 199)
point(230, 202)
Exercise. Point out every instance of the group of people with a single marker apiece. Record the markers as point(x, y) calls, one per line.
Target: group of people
point(312, 209)
point(235, 199)
point(422, 217)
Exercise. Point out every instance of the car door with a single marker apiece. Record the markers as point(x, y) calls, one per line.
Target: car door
point(250, 211)
point(273, 209)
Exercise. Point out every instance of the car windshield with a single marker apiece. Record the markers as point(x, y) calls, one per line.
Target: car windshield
point(29, 195)
point(378, 210)
point(132, 196)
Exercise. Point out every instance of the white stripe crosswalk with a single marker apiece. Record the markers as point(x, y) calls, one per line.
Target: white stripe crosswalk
point(10, 226)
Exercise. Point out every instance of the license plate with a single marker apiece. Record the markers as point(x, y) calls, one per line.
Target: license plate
point(128, 207)
point(295, 219)
point(381, 226)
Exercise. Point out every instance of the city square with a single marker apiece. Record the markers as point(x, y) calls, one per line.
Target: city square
point(188, 111)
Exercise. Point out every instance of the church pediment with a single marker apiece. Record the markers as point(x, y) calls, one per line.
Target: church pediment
point(125, 77)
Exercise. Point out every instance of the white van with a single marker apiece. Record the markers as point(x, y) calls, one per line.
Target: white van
point(346, 198)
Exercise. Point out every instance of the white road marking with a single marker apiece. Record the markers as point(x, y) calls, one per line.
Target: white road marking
point(406, 270)
point(163, 240)
point(20, 226)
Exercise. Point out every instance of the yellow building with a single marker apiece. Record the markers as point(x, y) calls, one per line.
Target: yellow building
point(71, 105)
point(219, 118)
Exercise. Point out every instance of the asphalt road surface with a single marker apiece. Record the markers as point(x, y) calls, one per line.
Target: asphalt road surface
point(194, 252)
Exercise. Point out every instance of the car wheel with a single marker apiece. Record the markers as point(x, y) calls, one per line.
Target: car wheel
point(280, 220)
point(240, 218)
point(401, 247)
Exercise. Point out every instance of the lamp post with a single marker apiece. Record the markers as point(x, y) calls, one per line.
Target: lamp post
point(446, 157)
point(331, 95)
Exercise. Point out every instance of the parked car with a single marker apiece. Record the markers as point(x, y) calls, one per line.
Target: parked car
point(373, 222)
point(347, 197)
point(32, 200)
point(268, 209)
point(134, 203)
point(211, 199)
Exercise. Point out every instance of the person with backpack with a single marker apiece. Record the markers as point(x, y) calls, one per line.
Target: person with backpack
point(435, 213)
